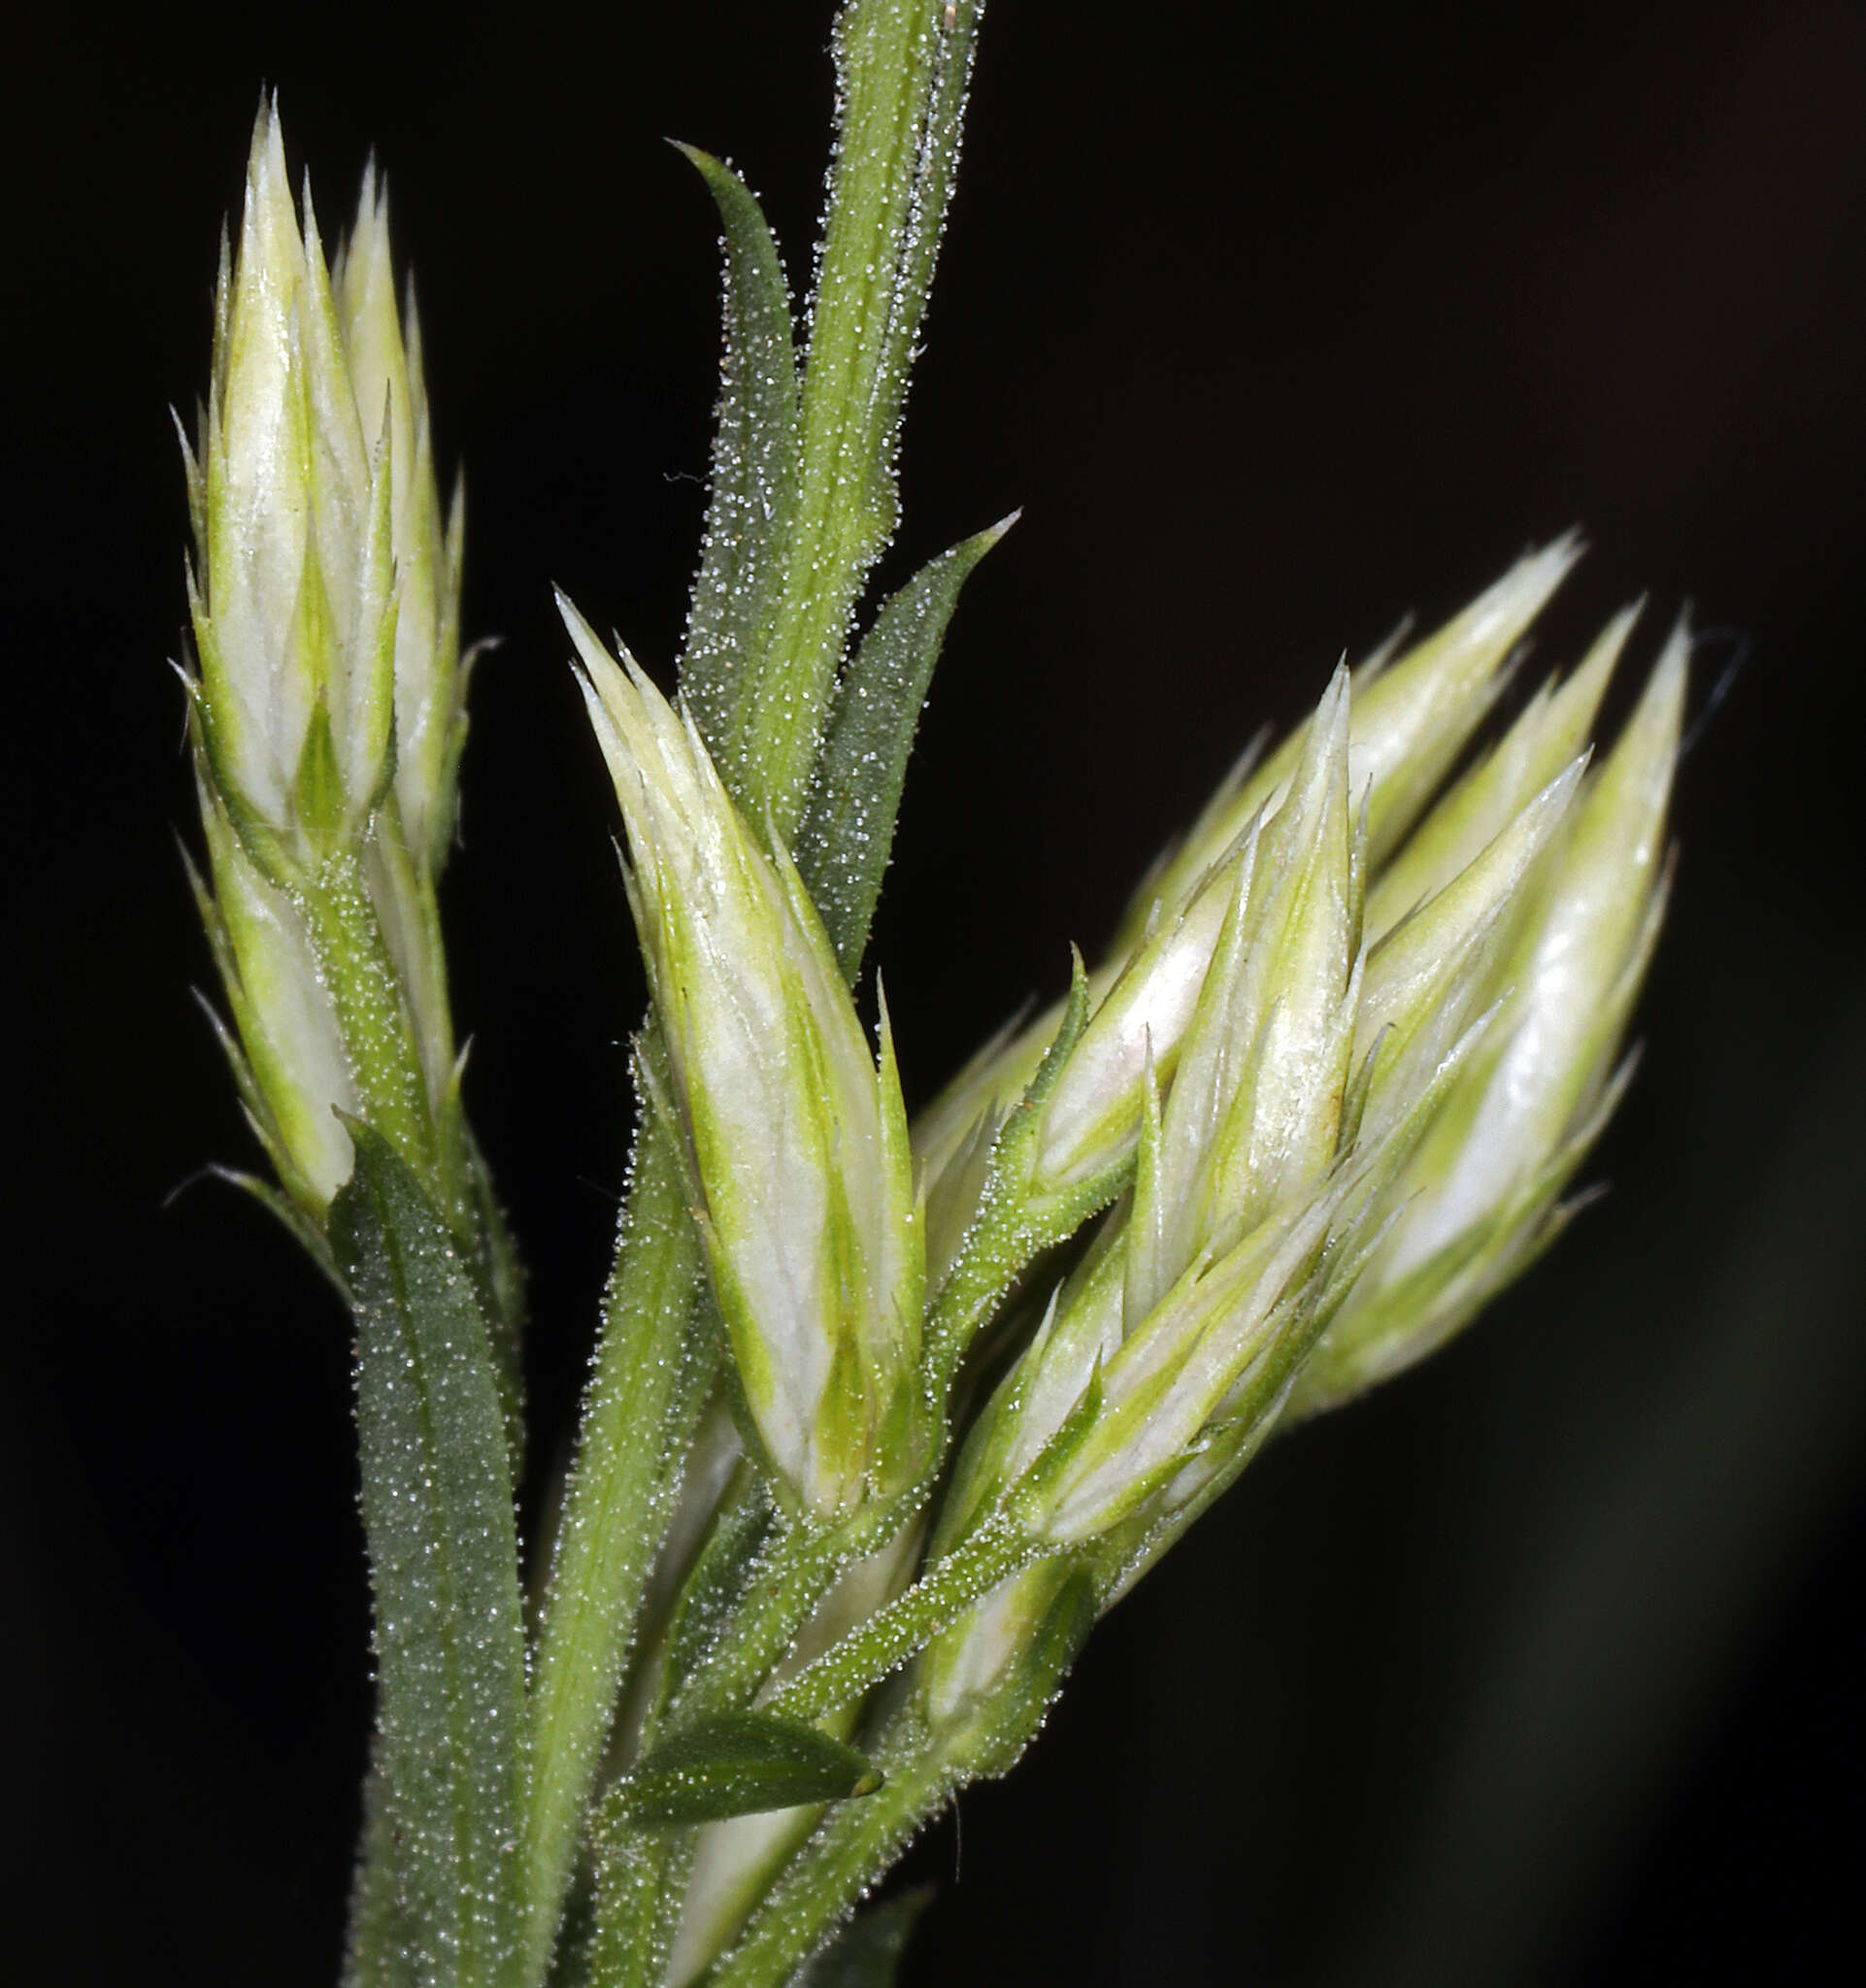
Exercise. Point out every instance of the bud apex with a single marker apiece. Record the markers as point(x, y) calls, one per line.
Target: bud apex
point(797, 1138)
point(1550, 733)
point(324, 591)
point(1412, 718)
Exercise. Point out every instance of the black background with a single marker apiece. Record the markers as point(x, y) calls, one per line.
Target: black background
point(1541, 1665)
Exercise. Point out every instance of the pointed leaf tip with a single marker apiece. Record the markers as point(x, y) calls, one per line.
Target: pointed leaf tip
point(755, 466)
point(742, 1763)
point(847, 834)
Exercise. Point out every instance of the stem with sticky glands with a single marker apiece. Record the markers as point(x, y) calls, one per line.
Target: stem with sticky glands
point(651, 1379)
point(902, 66)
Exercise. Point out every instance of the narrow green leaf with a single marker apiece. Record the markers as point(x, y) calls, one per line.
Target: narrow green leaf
point(501, 1278)
point(372, 1014)
point(869, 1950)
point(377, 1950)
point(754, 499)
point(436, 1509)
point(741, 1764)
point(956, 30)
point(846, 833)
point(630, 1931)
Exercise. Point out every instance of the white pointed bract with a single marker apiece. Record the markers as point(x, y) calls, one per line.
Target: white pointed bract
point(798, 1137)
point(327, 710)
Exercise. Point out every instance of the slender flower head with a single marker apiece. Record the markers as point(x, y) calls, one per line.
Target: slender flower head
point(325, 587)
point(797, 1140)
point(1196, 1296)
point(326, 713)
point(1480, 1196)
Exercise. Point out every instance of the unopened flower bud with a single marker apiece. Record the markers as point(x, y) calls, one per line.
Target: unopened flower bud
point(797, 1138)
point(1410, 718)
point(1550, 734)
point(1480, 1194)
point(1103, 1428)
point(1192, 1308)
point(1253, 1112)
point(326, 713)
point(324, 593)
point(1330, 1120)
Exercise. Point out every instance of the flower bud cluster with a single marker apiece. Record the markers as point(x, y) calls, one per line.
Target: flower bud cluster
point(1410, 719)
point(327, 710)
point(1354, 1101)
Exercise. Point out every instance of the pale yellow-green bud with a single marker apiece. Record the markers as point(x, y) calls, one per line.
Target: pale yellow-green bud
point(1410, 718)
point(1480, 1194)
point(326, 711)
point(1253, 1112)
point(293, 1069)
point(325, 588)
point(1254, 899)
point(1113, 1422)
point(797, 1138)
point(1313, 1093)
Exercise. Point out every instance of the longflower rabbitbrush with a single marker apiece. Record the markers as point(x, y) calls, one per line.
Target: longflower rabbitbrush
point(883, 1414)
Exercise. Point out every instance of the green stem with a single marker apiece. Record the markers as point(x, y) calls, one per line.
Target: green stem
point(372, 1014)
point(901, 67)
point(374, 1005)
point(854, 1845)
point(640, 1877)
point(800, 1568)
point(797, 1571)
point(924, 1756)
point(893, 1634)
point(449, 1627)
point(639, 1418)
